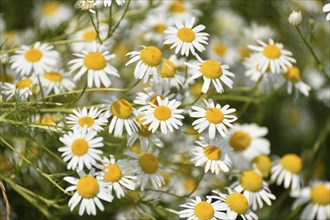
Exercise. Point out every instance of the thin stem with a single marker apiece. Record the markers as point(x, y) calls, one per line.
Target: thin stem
point(95, 27)
point(80, 95)
point(110, 21)
point(121, 18)
point(247, 104)
point(168, 193)
point(196, 186)
point(5, 199)
point(194, 101)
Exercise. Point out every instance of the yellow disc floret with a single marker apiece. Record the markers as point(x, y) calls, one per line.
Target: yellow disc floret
point(220, 49)
point(212, 153)
point(143, 130)
point(320, 195)
point(240, 141)
point(95, 61)
point(162, 113)
point(79, 147)
point(113, 173)
point(151, 56)
point(121, 109)
point(86, 120)
point(238, 203)
point(293, 74)
point(177, 7)
point(251, 181)
point(23, 83)
point(214, 115)
point(47, 120)
point(49, 8)
point(204, 210)
point(53, 76)
point(89, 35)
point(263, 163)
point(186, 35)
point(148, 163)
point(87, 187)
point(292, 163)
point(33, 55)
point(272, 51)
point(168, 69)
point(160, 28)
point(211, 69)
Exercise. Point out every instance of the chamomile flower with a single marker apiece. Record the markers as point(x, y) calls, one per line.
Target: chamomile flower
point(88, 5)
point(235, 204)
point(149, 60)
point(287, 170)
point(87, 191)
point(37, 59)
point(223, 50)
point(51, 14)
point(148, 169)
point(186, 38)
point(199, 209)
point(254, 188)
point(326, 9)
point(150, 95)
point(108, 3)
point(292, 75)
point(117, 175)
point(95, 63)
point(214, 117)
point(92, 119)
point(154, 27)
point(55, 81)
point(247, 142)
point(212, 71)
point(213, 154)
point(263, 164)
point(81, 148)
point(122, 116)
point(165, 115)
point(317, 195)
point(22, 88)
point(272, 56)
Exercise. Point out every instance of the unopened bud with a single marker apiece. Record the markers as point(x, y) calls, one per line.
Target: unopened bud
point(295, 18)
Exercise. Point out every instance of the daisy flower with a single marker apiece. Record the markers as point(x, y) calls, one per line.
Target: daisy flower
point(51, 14)
point(186, 38)
point(247, 142)
point(117, 175)
point(214, 117)
point(294, 80)
point(223, 50)
point(272, 56)
point(154, 27)
point(37, 59)
point(122, 116)
point(81, 148)
point(317, 195)
point(235, 204)
point(212, 154)
point(108, 3)
point(287, 170)
point(93, 119)
point(55, 81)
point(212, 71)
point(150, 95)
point(88, 5)
point(199, 209)
point(149, 60)
point(326, 9)
point(23, 88)
point(88, 191)
point(95, 63)
point(148, 169)
point(165, 115)
point(254, 188)
point(262, 164)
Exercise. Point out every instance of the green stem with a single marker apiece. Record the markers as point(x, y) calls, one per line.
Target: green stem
point(194, 101)
point(120, 20)
point(196, 186)
point(95, 27)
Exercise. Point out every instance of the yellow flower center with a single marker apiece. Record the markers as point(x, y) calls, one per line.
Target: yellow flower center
point(49, 8)
point(186, 35)
point(212, 153)
point(293, 74)
point(292, 163)
point(166, 178)
point(33, 55)
point(272, 51)
point(211, 69)
point(320, 195)
point(148, 163)
point(136, 147)
point(251, 181)
point(263, 164)
point(89, 35)
point(204, 210)
point(168, 69)
point(5, 163)
point(24, 83)
point(121, 109)
point(114, 173)
point(162, 113)
point(214, 115)
point(87, 187)
point(79, 147)
point(189, 184)
point(240, 141)
point(154, 101)
point(177, 7)
point(94, 61)
point(238, 203)
point(220, 49)
point(160, 28)
point(196, 88)
point(87, 120)
point(143, 130)
point(53, 76)
point(47, 120)
point(151, 56)
point(244, 52)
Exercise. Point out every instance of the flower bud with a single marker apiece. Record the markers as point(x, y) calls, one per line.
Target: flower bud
point(295, 18)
